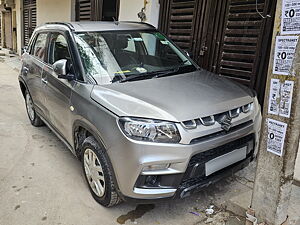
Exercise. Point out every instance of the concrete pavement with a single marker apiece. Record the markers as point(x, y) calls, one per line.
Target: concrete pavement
point(41, 182)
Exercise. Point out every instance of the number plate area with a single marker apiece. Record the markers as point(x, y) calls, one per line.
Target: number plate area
point(225, 160)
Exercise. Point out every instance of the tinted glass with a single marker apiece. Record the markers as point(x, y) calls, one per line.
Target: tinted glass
point(39, 48)
point(113, 56)
point(58, 48)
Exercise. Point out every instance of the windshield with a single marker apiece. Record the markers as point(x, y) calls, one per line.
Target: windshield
point(121, 56)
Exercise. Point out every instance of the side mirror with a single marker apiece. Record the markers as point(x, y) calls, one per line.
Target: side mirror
point(60, 68)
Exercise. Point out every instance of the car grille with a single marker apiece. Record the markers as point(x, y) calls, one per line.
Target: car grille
point(221, 133)
point(212, 119)
point(196, 167)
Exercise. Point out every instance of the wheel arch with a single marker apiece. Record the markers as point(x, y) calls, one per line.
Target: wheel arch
point(23, 87)
point(79, 124)
point(82, 130)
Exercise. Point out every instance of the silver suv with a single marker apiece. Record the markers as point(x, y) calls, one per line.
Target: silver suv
point(146, 122)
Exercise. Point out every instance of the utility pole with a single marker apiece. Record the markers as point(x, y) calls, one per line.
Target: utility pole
point(281, 120)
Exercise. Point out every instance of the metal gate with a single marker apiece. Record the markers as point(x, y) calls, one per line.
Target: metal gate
point(29, 19)
point(228, 37)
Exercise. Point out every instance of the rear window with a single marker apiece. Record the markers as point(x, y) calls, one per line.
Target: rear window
point(39, 47)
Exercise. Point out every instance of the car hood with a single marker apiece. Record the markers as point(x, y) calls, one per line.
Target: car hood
point(174, 98)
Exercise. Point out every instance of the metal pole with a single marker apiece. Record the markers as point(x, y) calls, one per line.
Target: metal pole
point(274, 173)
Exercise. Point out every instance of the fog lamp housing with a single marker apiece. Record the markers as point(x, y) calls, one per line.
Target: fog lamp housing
point(156, 167)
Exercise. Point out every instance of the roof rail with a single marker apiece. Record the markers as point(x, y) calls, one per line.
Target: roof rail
point(69, 25)
point(148, 24)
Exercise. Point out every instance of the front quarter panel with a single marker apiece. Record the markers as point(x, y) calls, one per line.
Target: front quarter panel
point(95, 117)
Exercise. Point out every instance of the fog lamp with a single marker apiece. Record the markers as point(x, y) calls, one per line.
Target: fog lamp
point(156, 167)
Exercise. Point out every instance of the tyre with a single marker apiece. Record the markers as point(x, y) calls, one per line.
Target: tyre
point(98, 173)
point(33, 117)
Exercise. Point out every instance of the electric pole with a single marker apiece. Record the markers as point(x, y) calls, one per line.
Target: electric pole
point(281, 119)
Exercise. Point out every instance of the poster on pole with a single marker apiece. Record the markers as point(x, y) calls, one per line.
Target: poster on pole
point(276, 136)
point(284, 54)
point(286, 95)
point(274, 97)
point(290, 17)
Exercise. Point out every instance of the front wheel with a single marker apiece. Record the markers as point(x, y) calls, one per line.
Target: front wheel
point(98, 173)
point(33, 117)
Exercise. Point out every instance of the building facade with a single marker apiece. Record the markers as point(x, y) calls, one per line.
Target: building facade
point(19, 18)
point(228, 37)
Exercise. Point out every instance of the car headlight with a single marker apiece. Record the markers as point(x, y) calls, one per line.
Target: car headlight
point(150, 130)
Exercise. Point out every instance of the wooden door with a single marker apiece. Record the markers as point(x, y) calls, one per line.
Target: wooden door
point(29, 19)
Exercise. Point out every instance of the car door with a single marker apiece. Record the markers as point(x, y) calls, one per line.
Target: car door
point(58, 91)
point(33, 66)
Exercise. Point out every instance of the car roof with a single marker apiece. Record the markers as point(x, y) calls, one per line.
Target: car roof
point(94, 26)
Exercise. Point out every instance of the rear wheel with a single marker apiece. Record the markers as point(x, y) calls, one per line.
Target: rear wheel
point(98, 173)
point(33, 117)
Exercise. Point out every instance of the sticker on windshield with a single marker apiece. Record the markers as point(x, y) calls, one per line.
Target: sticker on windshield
point(125, 71)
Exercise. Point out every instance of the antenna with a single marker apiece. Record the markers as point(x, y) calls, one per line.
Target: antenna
point(115, 21)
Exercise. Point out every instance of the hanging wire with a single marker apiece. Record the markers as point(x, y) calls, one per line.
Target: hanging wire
point(262, 16)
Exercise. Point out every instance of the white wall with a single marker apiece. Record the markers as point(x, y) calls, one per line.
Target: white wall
point(19, 21)
point(130, 8)
point(54, 11)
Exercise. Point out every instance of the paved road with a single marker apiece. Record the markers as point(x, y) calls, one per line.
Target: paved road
point(41, 182)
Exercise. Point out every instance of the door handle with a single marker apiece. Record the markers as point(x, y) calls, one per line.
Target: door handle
point(44, 81)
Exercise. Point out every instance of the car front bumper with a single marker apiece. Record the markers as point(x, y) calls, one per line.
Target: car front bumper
point(129, 159)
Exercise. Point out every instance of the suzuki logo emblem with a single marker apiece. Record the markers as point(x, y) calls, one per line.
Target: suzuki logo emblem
point(225, 122)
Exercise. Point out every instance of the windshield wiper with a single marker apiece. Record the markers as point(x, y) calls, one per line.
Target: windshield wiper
point(174, 70)
point(135, 77)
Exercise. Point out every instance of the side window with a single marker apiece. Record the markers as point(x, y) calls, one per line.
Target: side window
point(39, 48)
point(58, 49)
point(150, 42)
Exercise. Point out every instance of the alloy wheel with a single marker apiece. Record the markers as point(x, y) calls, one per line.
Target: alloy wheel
point(94, 172)
point(29, 107)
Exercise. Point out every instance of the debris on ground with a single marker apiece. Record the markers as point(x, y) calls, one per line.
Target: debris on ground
point(210, 210)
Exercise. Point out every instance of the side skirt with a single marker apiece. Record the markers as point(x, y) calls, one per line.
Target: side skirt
point(58, 134)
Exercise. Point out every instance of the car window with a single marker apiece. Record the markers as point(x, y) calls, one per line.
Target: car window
point(150, 42)
point(58, 48)
point(39, 48)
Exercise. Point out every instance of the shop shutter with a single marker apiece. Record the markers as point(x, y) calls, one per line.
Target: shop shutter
point(29, 19)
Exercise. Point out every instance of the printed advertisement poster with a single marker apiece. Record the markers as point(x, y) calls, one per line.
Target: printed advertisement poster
point(274, 97)
point(290, 18)
point(276, 136)
point(280, 98)
point(284, 54)
point(286, 95)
